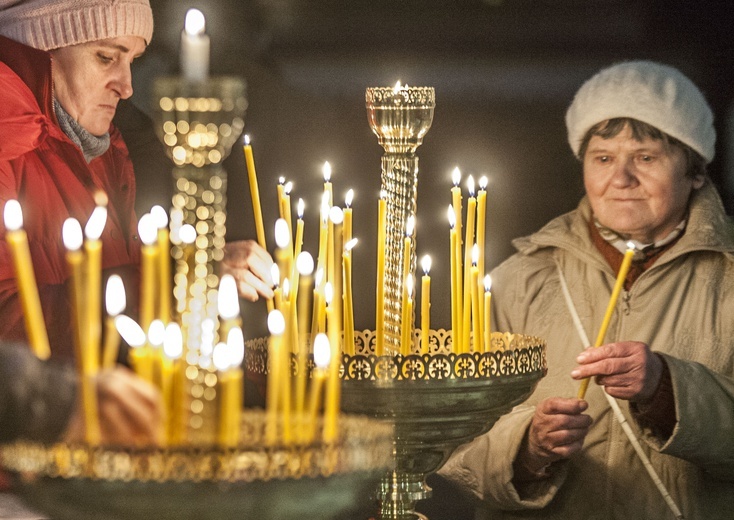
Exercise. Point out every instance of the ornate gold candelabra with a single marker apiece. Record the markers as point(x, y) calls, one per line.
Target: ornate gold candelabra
point(199, 122)
point(400, 117)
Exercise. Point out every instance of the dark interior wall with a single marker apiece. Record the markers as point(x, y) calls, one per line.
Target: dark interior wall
point(504, 73)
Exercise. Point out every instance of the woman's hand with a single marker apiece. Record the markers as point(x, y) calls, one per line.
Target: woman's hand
point(250, 265)
point(627, 370)
point(130, 411)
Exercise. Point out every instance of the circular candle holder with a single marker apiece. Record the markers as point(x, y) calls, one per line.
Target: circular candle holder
point(329, 481)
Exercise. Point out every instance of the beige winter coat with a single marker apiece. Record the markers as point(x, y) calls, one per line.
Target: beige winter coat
point(683, 307)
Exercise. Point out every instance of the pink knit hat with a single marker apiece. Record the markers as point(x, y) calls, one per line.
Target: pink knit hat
point(50, 24)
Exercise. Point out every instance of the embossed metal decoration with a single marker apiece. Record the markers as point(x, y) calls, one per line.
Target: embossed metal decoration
point(76, 482)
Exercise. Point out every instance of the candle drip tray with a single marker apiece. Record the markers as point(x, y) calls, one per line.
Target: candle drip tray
point(327, 481)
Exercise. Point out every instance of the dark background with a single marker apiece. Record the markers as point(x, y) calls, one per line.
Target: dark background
point(504, 72)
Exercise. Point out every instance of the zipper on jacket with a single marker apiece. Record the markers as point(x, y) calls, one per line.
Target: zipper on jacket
point(626, 297)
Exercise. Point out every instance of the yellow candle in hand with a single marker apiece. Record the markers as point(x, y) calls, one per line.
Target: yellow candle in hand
point(115, 304)
point(18, 242)
point(254, 193)
point(487, 314)
point(621, 276)
point(425, 303)
point(380, 289)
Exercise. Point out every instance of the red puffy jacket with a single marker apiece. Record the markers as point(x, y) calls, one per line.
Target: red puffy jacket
point(42, 168)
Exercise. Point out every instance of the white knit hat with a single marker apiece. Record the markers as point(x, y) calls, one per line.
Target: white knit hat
point(50, 24)
point(650, 92)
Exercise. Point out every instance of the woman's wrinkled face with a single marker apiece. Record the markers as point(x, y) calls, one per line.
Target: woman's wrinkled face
point(91, 78)
point(637, 188)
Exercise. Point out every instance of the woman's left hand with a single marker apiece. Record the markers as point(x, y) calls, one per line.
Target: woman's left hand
point(627, 370)
point(250, 265)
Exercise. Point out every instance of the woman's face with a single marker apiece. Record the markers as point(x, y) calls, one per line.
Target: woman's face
point(637, 188)
point(91, 78)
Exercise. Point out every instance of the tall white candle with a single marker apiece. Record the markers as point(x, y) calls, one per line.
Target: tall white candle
point(194, 47)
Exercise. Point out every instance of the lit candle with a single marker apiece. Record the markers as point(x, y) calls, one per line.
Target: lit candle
point(227, 359)
point(336, 217)
point(284, 251)
point(254, 193)
point(456, 203)
point(425, 303)
point(228, 305)
point(194, 47)
point(487, 314)
point(454, 257)
point(297, 245)
point(93, 249)
point(279, 189)
point(115, 303)
point(304, 264)
point(348, 299)
point(619, 283)
point(380, 289)
point(478, 335)
point(321, 357)
point(327, 202)
point(17, 240)
point(407, 248)
point(135, 337)
point(287, 205)
point(276, 326)
point(406, 343)
point(347, 229)
point(470, 224)
point(72, 238)
point(333, 383)
point(156, 335)
point(174, 384)
point(481, 221)
point(164, 258)
point(149, 253)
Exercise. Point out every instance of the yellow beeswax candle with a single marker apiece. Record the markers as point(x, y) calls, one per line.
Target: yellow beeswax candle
point(115, 303)
point(336, 217)
point(139, 354)
point(254, 192)
point(164, 263)
point(477, 336)
point(348, 299)
point(227, 359)
point(228, 305)
point(287, 206)
point(333, 383)
point(619, 283)
point(297, 247)
point(17, 240)
point(279, 188)
point(304, 263)
point(425, 303)
point(284, 251)
point(347, 229)
point(322, 357)
point(276, 326)
point(481, 231)
point(93, 250)
point(454, 255)
point(172, 393)
point(406, 342)
point(487, 314)
point(380, 288)
point(468, 242)
point(285, 366)
point(457, 204)
point(148, 270)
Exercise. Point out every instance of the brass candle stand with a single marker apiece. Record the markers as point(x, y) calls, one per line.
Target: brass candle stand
point(400, 117)
point(252, 480)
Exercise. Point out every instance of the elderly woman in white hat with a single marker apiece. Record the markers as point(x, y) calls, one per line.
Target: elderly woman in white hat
point(644, 134)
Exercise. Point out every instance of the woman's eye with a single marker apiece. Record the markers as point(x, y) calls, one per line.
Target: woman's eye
point(104, 58)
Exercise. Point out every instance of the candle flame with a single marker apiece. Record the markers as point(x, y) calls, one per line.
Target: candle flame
point(281, 180)
point(286, 288)
point(115, 301)
point(348, 198)
point(410, 226)
point(319, 275)
point(247, 139)
point(275, 274)
point(288, 187)
point(276, 322)
point(173, 341)
point(328, 293)
point(282, 234)
point(336, 215)
point(304, 263)
point(156, 333)
point(220, 357)
point(236, 344)
point(96, 223)
point(195, 23)
point(326, 170)
point(13, 215)
point(470, 185)
point(483, 182)
point(383, 194)
point(631, 245)
point(456, 176)
point(426, 264)
point(71, 233)
point(321, 351)
point(130, 331)
point(228, 302)
point(475, 254)
point(451, 216)
point(350, 245)
point(409, 283)
point(300, 207)
point(397, 87)
point(147, 229)
point(187, 234)
point(100, 198)
point(160, 217)
point(487, 283)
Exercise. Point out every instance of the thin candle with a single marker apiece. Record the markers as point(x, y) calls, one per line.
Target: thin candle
point(164, 263)
point(115, 303)
point(322, 358)
point(481, 230)
point(255, 197)
point(287, 188)
point(348, 299)
point(336, 217)
point(406, 342)
point(476, 321)
point(93, 312)
point(487, 314)
point(173, 384)
point(304, 264)
point(456, 203)
point(276, 326)
point(468, 242)
point(454, 254)
point(148, 271)
point(297, 244)
point(380, 288)
point(17, 240)
point(425, 303)
point(347, 229)
point(194, 47)
point(623, 270)
point(407, 249)
point(333, 383)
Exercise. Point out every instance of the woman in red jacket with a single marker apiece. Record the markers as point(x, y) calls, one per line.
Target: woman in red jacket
point(64, 66)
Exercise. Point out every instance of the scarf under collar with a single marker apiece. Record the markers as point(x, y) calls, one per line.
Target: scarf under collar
point(642, 251)
point(92, 146)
